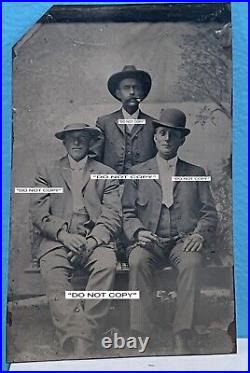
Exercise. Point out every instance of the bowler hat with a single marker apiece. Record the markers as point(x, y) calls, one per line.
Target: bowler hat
point(93, 131)
point(130, 71)
point(172, 118)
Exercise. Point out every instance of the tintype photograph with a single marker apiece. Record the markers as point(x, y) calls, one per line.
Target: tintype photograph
point(121, 216)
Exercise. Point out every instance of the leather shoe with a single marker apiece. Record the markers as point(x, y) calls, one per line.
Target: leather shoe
point(81, 348)
point(181, 345)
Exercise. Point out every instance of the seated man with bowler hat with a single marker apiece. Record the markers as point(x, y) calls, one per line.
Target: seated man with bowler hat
point(167, 221)
point(78, 228)
point(122, 145)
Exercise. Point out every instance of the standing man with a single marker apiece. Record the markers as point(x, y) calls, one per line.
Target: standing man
point(78, 227)
point(123, 145)
point(166, 220)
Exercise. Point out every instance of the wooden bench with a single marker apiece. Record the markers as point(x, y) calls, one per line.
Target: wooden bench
point(213, 273)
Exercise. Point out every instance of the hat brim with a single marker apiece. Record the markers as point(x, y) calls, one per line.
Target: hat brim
point(141, 75)
point(185, 131)
point(95, 132)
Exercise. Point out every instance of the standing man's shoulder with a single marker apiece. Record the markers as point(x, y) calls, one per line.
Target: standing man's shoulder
point(143, 167)
point(107, 118)
point(191, 169)
point(102, 168)
point(146, 116)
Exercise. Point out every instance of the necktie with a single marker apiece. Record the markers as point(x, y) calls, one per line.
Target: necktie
point(77, 179)
point(167, 186)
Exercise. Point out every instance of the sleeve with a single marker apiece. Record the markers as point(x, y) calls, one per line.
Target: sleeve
point(48, 224)
point(108, 223)
point(207, 223)
point(97, 149)
point(131, 223)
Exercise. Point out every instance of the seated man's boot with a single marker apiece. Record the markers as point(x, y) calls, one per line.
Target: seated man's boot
point(180, 344)
point(81, 348)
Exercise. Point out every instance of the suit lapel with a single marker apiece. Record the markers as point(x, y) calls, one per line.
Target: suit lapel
point(66, 171)
point(121, 127)
point(88, 171)
point(180, 171)
point(138, 127)
point(90, 196)
point(153, 168)
point(67, 174)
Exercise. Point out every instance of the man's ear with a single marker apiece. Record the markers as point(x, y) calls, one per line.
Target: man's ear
point(183, 139)
point(92, 141)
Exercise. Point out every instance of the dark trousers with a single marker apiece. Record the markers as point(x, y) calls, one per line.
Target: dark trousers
point(70, 317)
point(143, 264)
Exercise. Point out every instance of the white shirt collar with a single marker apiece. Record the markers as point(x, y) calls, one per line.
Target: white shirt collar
point(167, 163)
point(126, 115)
point(77, 165)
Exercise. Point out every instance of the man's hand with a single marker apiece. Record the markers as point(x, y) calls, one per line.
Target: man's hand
point(72, 241)
point(80, 258)
point(75, 259)
point(91, 245)
point(193, 243)
point(145, 238)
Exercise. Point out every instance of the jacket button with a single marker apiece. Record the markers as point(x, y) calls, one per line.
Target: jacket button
point(77, 309)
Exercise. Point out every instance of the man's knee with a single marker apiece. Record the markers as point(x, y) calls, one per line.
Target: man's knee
point(106, 259)
point(138, 259)
point(191, 260)
point(55, 270)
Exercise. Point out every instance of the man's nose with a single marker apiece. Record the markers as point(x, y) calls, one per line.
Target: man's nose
point(132, 91)
point(167, 136)
point(76, 141)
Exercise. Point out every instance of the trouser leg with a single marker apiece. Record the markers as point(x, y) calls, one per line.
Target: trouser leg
point(101, 267)
point(188, 285)
point(142, 264)
point(68, 316)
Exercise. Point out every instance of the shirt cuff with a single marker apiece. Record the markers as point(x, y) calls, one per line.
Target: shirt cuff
point(200, 235)
point(98, 241)
point(63, 228)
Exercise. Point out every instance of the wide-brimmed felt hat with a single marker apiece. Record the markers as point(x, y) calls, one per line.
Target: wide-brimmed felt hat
point(130, 71)
point(172, 118)
point(93, 131)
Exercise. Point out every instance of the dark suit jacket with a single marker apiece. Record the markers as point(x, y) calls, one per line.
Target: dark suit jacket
point(110, 149)
point(193, 202)
point(51, 211)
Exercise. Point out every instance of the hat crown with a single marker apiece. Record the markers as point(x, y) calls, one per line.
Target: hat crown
point(129, 68)
point(174, 117)
point(76, 127)
point(130, 71)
